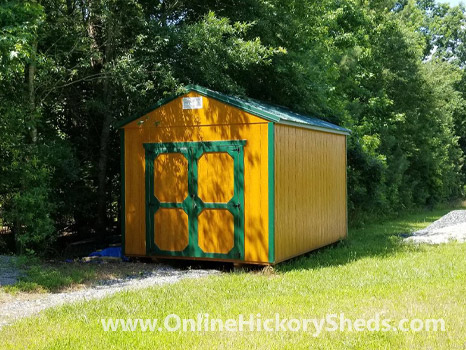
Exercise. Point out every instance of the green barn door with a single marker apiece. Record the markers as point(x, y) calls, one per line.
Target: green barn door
point(195, 199)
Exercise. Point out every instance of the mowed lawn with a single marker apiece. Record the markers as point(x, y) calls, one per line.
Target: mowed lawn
point(369, 273)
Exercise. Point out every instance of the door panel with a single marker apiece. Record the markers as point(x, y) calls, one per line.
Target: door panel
point(195, 199)
point(174, 225)
point(216, 229)
point(171, 177)
point(215, 177)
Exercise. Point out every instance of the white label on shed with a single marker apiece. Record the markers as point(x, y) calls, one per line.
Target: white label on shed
point(192, 102)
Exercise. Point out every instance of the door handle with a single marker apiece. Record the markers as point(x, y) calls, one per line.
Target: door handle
point(193, 196)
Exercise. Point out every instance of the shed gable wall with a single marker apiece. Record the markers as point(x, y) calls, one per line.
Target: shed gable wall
point(214, 122)
point(213, 112)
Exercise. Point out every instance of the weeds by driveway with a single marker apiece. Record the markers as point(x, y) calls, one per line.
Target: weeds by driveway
point(16, 304)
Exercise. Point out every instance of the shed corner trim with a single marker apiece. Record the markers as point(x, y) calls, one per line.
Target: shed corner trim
point(271, 181)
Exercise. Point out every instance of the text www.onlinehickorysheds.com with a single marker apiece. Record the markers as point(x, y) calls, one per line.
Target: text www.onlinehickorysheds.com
point(256, 323)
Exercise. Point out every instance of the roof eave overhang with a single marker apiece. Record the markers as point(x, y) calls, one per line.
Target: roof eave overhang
point(313, 127)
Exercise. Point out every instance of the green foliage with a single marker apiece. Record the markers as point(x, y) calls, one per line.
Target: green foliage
point(19, 22)
point(31, 211)
point(391, 71)
point(213, 52)
point(32, 198)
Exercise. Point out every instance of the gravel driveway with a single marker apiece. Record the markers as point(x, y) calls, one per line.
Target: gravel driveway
point(451, 227)
point(12, 310)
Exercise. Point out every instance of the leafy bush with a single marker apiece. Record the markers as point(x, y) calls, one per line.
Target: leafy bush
point(29, 210)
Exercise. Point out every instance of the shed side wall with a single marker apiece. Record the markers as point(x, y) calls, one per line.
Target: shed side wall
point(243, 126)
point(310, 190)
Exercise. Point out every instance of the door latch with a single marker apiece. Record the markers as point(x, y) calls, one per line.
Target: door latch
point(193, 196)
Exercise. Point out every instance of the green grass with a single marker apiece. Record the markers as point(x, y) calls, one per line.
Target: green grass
point(40, 277)
point(369, 273)
point(50, 277)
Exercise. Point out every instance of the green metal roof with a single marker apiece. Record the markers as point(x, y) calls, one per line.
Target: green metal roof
point(264, 110)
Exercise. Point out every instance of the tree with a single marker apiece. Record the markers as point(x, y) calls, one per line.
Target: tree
point(391, 71)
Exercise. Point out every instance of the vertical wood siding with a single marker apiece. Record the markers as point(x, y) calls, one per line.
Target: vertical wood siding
point(310, 190)
point(215, 121)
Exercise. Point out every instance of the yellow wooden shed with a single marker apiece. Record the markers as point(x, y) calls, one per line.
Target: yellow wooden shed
point(215, 177)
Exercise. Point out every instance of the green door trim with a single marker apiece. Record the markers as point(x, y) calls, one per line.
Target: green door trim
point(192, 204)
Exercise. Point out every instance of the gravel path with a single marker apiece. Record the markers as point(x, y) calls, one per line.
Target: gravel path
point(451, 227)
point(11, 311)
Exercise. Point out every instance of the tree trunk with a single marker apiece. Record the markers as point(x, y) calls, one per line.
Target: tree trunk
point(104, 138)
point(32, 94)
point(102, 166)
